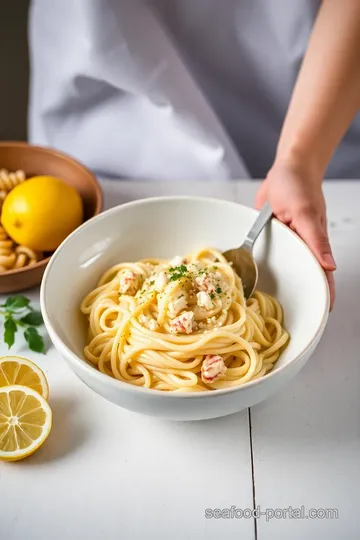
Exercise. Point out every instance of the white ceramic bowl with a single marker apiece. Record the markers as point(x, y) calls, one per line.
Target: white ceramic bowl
point(165, 227)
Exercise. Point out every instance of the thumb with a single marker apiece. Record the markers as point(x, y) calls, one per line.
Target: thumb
point(261, 196)
point(315, 236)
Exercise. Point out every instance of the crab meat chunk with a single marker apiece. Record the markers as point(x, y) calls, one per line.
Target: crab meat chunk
point(129, 282)
point(206, 283)
point(213, 367)
point(193, 267)
point(177, 305)
point(204, 300)
point(183, 324)
point(161, 281)
point(176, 261)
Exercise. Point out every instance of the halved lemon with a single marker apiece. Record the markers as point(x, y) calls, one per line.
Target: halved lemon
point(25, 422)
point(17, 370)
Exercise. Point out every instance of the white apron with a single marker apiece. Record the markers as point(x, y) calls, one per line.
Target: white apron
point(170, 89)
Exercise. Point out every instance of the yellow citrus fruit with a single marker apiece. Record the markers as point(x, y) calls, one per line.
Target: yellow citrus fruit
point(17, 370)
point(25, 422)
point(41, 212)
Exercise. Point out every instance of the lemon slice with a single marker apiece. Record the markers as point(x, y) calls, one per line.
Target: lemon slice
point(17, 370)
point(25, 422)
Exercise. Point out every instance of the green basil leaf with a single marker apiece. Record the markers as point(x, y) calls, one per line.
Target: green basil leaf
point(34, 318)
point(9, 333)
point(34, 340)
point(16, 302)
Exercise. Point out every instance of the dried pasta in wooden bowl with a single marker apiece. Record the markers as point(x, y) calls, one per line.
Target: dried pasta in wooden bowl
point(21, 268)
point(13, 256)
point(9, 180)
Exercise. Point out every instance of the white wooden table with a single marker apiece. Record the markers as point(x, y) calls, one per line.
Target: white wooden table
point(108, 474)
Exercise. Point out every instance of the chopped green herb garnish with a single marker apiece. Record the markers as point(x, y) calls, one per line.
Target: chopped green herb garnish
point(181, 268)
point(212, 295)
point(178, 272)
point(218, 290)
point(152, 282)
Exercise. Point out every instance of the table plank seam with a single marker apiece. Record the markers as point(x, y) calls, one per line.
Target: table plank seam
point(252, 472)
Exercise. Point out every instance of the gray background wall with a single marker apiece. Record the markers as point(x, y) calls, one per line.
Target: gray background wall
point(14, 69)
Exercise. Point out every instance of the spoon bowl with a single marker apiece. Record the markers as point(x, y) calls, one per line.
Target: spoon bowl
point(246, 268)
point(242, 259)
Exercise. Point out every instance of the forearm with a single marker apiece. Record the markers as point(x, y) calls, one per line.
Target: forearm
point(327, 93)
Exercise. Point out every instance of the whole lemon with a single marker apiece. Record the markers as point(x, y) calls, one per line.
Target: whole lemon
point(41, 212)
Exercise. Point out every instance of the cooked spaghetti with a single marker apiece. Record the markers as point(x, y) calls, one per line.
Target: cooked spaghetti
point(181, 325)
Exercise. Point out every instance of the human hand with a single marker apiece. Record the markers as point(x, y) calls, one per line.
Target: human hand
point(297, 200)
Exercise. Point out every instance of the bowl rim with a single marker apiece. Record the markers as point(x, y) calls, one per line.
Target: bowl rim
point(116, 384)
point(73, 162)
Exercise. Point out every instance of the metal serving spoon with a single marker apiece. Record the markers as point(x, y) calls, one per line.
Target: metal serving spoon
point(242, 258)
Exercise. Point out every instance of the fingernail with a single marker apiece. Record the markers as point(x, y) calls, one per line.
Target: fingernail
point(329, 260)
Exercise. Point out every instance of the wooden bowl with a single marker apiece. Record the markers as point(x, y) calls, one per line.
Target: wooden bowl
point(35, 160)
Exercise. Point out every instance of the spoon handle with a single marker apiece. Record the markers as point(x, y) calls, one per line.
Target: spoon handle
point(260, 222)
